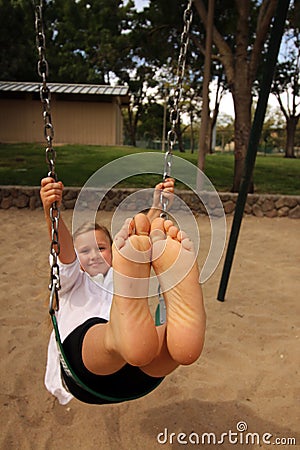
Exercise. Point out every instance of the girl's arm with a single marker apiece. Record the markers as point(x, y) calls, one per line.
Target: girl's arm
point(51, 192)
point(167, 189)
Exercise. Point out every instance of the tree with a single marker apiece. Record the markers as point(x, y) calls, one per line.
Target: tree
point(225, 131)
point(220, 91)
point(18, 61)
point(191, 106)
point(286, 87)
point(272, 136)
point(245, 25)
point(151, 124)
point(139, 81)
point(159, 31)
point(86, 42)
point(89, 41)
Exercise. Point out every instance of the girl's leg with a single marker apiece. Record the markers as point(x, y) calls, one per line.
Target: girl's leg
point(174, 262)
point(130, 336)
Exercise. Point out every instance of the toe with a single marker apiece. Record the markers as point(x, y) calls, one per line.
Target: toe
point(142, 225)
point(158, 224)
point(119, 242)
point(157, 232)
point(181, 235)
point(124, 233)
point(128, 227)
point(168, 223)
point(173, 231)
point(187, 244)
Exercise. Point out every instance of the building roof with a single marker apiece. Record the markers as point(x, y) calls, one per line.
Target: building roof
point(64, 88)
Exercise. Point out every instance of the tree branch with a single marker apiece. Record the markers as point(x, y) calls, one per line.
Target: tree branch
point(266, 13)
point(283, 110)
point(226, 55)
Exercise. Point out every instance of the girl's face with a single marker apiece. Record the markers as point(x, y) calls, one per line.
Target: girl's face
point(94, 252)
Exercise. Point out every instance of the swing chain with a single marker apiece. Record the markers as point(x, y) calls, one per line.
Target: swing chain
point(184, 43)
point(45, 96)
point(175, 109)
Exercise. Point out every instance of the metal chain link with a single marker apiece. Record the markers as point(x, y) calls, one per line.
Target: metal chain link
point(175, 109)
point(45, 96)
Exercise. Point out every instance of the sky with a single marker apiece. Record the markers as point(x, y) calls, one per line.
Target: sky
point(140, 4)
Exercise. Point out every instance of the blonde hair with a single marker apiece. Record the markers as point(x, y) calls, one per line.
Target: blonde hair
point(90, 226)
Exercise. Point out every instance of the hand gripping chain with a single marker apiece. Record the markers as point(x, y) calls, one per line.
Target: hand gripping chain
point(45, 97)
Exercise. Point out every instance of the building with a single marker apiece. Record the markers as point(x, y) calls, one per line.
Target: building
point(81, 113)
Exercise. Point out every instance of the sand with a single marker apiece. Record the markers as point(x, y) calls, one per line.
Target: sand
point(248, 372)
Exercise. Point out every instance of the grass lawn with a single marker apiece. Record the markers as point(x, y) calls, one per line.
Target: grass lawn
point(24, 164)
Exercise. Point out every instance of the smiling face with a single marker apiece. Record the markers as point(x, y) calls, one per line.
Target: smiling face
point(94, 252)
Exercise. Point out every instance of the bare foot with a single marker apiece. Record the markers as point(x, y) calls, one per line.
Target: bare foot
point(133, 328)
point(174, 263)
point(132, 257)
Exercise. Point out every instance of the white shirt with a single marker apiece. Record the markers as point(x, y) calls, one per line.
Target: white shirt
point(80, 298)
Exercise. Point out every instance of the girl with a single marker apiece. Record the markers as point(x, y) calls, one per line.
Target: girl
point(111, 340)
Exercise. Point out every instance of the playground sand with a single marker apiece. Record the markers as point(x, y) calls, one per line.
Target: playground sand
point(248, 373)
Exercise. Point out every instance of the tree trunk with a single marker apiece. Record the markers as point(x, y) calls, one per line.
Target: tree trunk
point(179, 136)
point(291, 125)
point(212, 127)
point(192, 132)
point(131, 126)
point(209, 136)
point(203, 133)
point(241, 67)
point(242, 127)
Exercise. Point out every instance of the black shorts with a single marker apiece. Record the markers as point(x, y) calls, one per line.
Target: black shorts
point(127, 384)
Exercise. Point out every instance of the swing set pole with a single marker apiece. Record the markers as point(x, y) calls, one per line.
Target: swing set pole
point(266, 83)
